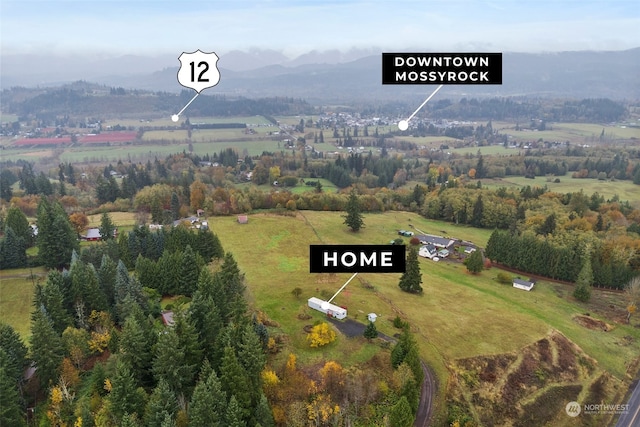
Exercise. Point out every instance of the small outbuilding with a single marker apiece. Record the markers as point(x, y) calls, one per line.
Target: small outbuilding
point(167, 318)
point(243, 219)
point(372, 317)
point(93, 235)
point(525, 285)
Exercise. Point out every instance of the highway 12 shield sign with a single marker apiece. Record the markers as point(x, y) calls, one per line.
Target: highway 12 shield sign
point(198, 70)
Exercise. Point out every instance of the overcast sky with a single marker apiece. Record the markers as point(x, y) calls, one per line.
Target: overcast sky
point(144, 27)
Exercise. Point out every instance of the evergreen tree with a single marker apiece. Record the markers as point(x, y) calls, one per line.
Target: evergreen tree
point(13, 251)
point(85, 287)
point(11, 412)
point(206, 317)
point(474, 262)
point(233, 416)
point(582, 291)
point(56, 237)
point(263, 413)
point(161, 402)
point(7, 179)
point(168, 421)
point(208, 403)
point(15, 352)
point(401, 414)
point(125, 397)
point(189, 271)
point(478, 212)
point(549, 225)
point(405, 345)
point(17, 220)
point(49, 296)
point(412, 277)
point(175, 206)
point(480, 170)
point(129, 420)
point(107, 227)
point(135, 345)
point(188, 341)
point(170, 364)
point(599, 223)
point(353, 219)
point(228, 290)
point(46, 348)
point(208, 245)
point(235, 381)
point(168, 268)
point(127, 287)
point(107, 279)
point(370, 331)
point(28, 179)
point(253, 359)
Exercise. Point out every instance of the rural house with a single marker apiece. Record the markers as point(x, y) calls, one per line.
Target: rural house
point(437, 241)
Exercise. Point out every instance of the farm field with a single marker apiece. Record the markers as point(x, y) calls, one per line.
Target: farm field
point(626, 190)
point(458, 316)
point(327, 186)
point(166, 121)
point(16, 297)
point(574, 132)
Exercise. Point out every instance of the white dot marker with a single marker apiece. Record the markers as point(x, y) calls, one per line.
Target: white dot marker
point(175, 118)
point(403, 125)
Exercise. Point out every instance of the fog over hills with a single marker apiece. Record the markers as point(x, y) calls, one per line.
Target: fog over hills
point(335, 76)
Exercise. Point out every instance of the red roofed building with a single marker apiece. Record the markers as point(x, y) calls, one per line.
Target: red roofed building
point(108, 138)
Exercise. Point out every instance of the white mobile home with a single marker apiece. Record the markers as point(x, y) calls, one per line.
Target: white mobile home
point(327, 308)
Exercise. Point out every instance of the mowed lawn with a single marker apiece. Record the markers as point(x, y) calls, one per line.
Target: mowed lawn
point(459, 315)
point(17, 288)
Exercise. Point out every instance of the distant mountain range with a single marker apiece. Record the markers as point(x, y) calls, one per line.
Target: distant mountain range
point(336, 77)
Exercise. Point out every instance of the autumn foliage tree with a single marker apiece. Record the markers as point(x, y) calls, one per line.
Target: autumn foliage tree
point(79, 221)
point(320, 335)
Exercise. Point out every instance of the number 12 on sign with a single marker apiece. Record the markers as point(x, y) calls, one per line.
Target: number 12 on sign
point(198, 71)
point(205, 67)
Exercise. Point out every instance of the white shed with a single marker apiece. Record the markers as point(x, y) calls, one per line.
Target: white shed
point(372, 317)
point(523, 284)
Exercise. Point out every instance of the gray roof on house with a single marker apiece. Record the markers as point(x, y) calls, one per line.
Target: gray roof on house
point(523, 282)
point(435, 240)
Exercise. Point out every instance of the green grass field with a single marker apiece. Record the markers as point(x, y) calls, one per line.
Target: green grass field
point(574, 132)
point(16, 297)
point(459, 315)
point(626, 190)
point(8, 118)
point(166, 121)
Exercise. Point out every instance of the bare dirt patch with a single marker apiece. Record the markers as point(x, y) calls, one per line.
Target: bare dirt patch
point(529, 387)
point(591, 323)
